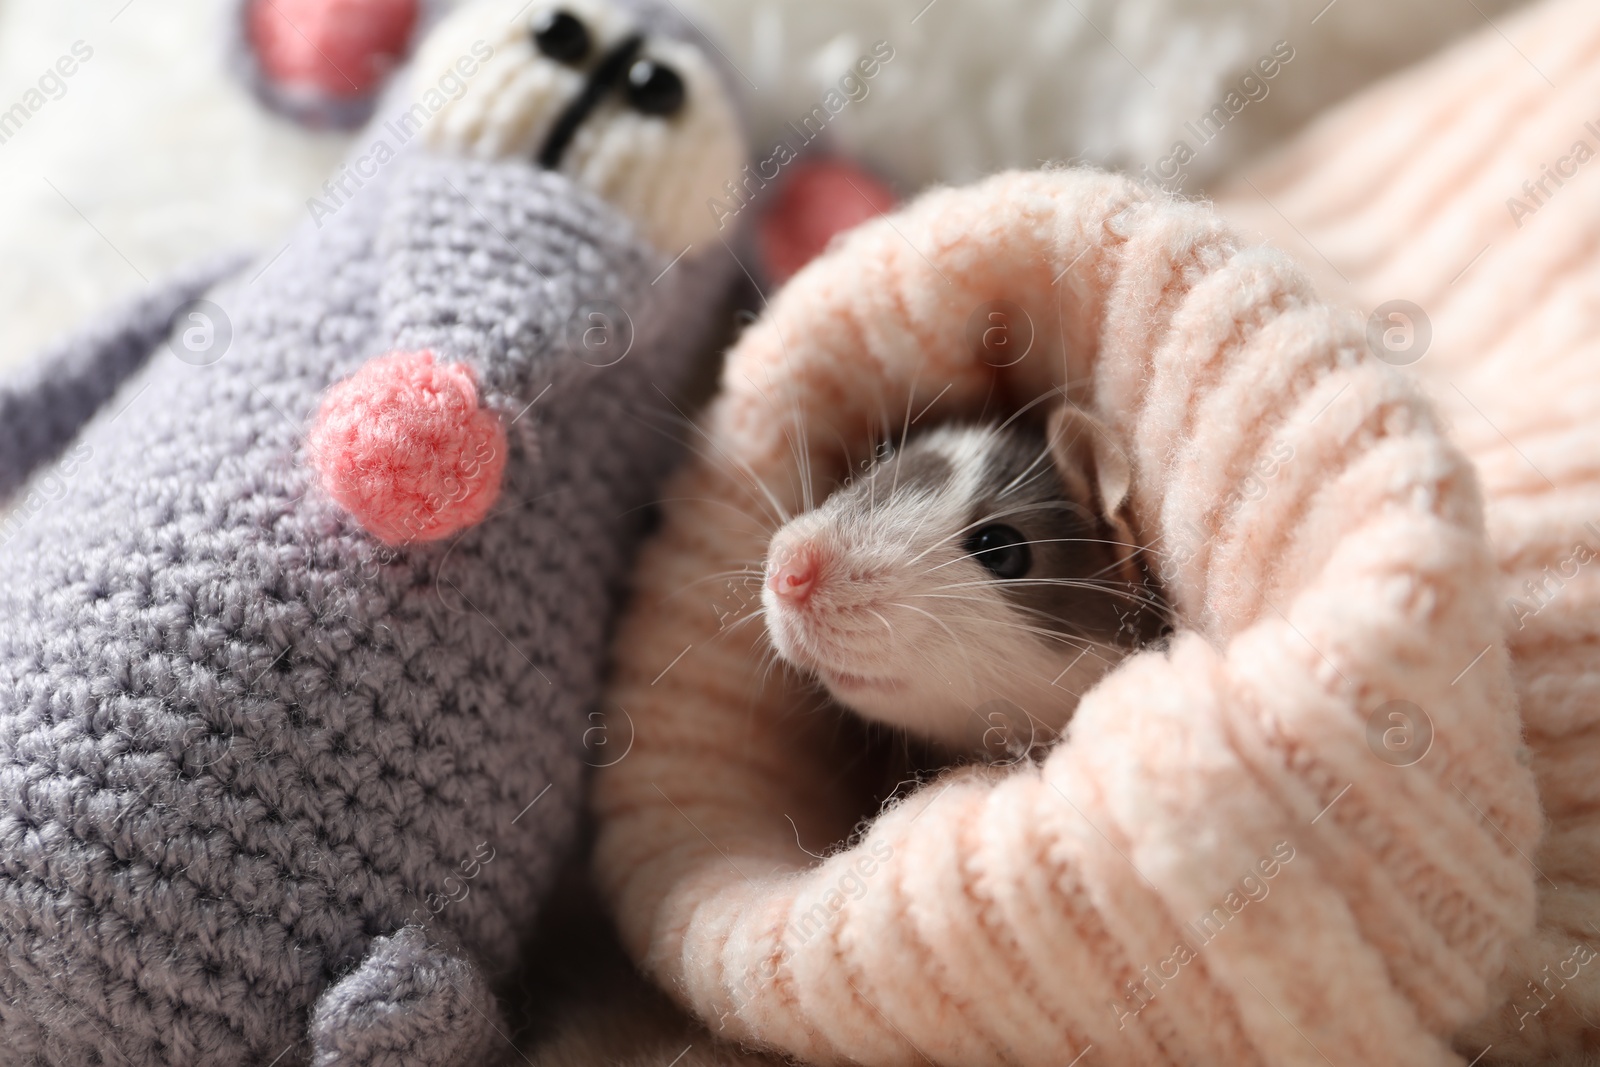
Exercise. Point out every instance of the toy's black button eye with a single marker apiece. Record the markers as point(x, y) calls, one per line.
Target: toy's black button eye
point(1001, 549)
point(561, 36)
point(654, 89)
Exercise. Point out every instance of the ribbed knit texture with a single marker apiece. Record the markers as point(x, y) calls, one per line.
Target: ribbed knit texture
point(243, 745)
point(1005, 912)
point(1405, 190)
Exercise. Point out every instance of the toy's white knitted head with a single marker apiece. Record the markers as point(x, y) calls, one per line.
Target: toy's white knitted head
point(641, 119)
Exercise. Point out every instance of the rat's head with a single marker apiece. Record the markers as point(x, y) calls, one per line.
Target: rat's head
point(618, 96)
point(974, 567)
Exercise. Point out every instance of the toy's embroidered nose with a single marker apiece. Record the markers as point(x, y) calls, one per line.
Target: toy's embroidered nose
point(404, 446)
point(609, 74)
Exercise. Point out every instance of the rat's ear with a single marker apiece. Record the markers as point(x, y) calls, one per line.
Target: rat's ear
point(1095, 469)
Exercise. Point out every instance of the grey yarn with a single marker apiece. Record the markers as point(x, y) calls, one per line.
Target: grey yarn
point(409, 1002)
point(246, 752)
point(43, 405)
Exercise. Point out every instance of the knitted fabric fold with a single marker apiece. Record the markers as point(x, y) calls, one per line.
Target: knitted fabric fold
point(1237, 854)
point(1467, 188)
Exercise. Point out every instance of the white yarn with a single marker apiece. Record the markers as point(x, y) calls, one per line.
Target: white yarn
point(660, 171)
point(170, 158)
point(981, 85)
point(163, 152)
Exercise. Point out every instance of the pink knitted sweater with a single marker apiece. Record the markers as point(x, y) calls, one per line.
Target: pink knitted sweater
point(1239, 854)
point(1468, 187)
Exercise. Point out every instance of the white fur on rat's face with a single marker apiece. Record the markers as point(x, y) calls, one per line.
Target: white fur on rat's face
point(659, 170)
point(876, 594)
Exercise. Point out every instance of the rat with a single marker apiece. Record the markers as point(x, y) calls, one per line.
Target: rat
point(970, 585)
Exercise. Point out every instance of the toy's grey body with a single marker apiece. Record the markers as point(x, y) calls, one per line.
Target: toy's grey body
point(271, 792)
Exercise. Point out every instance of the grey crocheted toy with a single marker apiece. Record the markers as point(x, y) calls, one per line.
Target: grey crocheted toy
point(273, 790)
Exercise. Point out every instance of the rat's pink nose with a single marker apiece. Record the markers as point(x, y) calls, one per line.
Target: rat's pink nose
point(793, 574)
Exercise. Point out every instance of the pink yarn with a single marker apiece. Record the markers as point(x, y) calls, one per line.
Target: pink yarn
point(1403, 186)
point(403, 445)
point(339, 47)
point(1099, 898)
point(823, 198)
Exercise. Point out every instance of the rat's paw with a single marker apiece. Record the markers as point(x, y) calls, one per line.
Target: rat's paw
point(404, 447)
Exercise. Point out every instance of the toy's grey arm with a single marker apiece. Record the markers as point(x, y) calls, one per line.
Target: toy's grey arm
point(410, 1003)
point(46, 402)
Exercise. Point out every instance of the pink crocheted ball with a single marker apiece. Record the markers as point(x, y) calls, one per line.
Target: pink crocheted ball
point(343, 48)
point(404, 447)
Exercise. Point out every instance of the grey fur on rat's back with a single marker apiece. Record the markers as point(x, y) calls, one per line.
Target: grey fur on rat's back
point(242, 749)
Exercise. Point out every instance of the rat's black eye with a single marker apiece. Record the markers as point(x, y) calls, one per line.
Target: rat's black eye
point(1002, 549)
point(654, 89)
point(560, 35)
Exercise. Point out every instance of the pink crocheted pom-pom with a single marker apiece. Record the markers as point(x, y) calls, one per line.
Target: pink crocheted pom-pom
point(339, 47)
point(403, 445)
